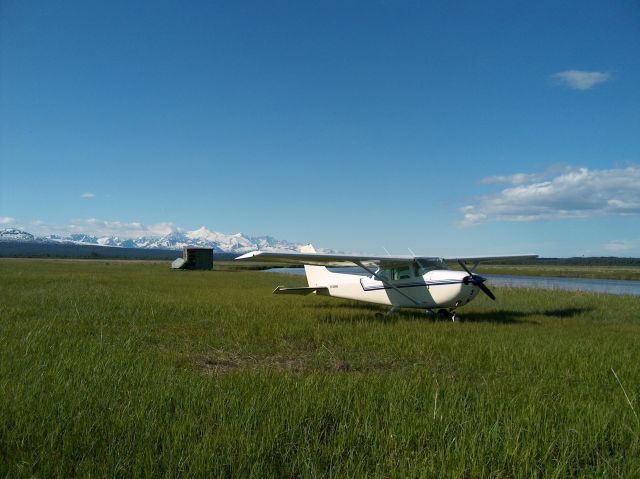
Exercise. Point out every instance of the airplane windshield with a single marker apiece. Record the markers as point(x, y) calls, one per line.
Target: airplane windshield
point(427, 265)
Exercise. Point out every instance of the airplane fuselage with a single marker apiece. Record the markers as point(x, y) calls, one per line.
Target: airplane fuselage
point(433, 290)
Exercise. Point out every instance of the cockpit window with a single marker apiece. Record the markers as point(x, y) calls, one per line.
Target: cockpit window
point(383, 273)
point(403, 273)
point(393, 274)
point(412, 270)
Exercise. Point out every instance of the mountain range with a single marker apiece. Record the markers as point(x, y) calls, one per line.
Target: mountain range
point(202, 237)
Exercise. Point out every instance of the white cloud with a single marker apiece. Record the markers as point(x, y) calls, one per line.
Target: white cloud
point(581, 80)
point(7, 220)
point(575, 193)
point(97, 227)
point(88, 195)
point(517, 179)
point(622, 246)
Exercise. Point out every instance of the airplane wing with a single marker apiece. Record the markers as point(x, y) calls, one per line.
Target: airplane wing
point(322, 259)
point(478, 259)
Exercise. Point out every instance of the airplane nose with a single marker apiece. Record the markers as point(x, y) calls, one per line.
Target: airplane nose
point(478, 281)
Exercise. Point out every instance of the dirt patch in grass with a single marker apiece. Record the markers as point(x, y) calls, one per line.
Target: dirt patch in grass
point(224, 364)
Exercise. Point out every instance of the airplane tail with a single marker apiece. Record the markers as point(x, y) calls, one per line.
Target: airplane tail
point(317, 276)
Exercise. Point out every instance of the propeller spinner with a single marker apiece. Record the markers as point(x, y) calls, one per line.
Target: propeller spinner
point(476, 280)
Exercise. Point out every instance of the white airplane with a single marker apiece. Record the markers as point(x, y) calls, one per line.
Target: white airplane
point(396, 281)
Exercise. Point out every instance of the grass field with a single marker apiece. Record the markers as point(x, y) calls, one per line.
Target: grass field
point(128, 369)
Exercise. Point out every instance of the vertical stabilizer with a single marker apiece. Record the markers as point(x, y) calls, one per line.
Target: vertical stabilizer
point(316, 275)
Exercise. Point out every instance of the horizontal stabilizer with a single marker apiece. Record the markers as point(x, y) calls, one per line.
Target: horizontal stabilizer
point(302, 290)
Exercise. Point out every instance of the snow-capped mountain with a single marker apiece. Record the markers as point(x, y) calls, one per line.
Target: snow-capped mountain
point(220, 242)
point(13, 234)
point(202, 237)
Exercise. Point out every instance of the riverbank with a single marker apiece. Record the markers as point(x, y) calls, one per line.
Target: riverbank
point(593, 272)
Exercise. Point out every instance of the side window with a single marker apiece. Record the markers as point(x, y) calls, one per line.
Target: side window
point(385, 273)
point(403, 273)
point(394, 274)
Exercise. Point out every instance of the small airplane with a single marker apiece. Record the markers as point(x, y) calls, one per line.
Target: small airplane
point(397, 281)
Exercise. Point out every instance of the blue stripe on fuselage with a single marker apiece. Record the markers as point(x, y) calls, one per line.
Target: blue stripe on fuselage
point(410, 285)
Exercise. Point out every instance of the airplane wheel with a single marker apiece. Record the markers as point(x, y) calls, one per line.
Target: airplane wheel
point(443, 314)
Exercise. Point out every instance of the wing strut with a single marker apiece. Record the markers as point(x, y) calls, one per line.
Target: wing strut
point(385, 281)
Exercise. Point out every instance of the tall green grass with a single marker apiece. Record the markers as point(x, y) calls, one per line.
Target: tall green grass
point(120, 369)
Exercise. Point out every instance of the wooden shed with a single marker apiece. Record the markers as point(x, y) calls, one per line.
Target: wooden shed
point(194, 258)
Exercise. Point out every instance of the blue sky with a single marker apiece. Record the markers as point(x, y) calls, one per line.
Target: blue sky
point(446, 127)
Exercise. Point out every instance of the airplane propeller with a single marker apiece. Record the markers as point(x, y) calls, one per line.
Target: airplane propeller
point(476, 280)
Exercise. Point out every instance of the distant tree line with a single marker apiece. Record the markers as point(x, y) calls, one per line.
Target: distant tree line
point(20, 249)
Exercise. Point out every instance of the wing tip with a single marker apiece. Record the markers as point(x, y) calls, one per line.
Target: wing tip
point(249, 255)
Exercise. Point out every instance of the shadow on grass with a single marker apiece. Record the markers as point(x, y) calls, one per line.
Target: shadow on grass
point(356, 312)
point(564, 312)
point(500, 316)
point(508, 316)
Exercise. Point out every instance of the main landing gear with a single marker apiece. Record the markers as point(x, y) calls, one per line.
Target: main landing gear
point(387, 314)
point(440, 314)
point(444, 314)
